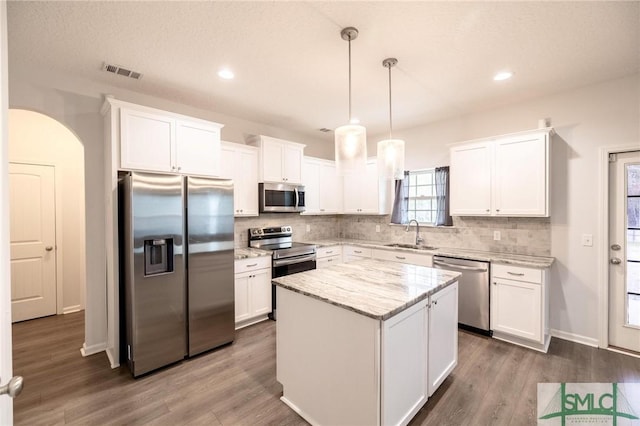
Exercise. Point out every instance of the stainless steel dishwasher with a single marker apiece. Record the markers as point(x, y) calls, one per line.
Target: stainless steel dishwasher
point(473, 291)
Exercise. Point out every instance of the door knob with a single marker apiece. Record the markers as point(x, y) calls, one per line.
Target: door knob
point(48, 248)
point(13, 388)
point(615, 261)
point(615, 247)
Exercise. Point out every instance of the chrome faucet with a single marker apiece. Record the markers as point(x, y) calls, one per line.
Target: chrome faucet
point(418, 239)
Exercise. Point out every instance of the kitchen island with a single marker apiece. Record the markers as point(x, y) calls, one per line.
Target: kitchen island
point(365, 343)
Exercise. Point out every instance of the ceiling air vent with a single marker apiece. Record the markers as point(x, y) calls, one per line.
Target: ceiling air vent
point(325, 130)
point(116, 69)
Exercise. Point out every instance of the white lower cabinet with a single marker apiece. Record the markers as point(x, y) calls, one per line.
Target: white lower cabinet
point(422, 259)
point(351, 253)
point(252, 290)
point(443, 335)
point(519, 305)
point(327, 256)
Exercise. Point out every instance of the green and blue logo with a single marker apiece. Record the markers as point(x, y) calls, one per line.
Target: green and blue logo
point(588, 403)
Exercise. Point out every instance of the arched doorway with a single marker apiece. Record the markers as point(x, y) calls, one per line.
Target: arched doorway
point(38, 141)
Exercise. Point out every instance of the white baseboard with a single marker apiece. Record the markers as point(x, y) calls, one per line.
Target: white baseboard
point(589, 341)
point(93, 349)
point(71, 309)
point(114, 363)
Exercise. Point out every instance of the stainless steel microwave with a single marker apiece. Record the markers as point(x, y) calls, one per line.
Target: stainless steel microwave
point(281, 198)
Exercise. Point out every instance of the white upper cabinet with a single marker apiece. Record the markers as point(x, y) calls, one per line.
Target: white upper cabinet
point(197, 148)
point(323, 186)
point(280, 160)
point(154, 140)
point(240, 163)
point(365, 193)
point(470, 173)
point(503, 176)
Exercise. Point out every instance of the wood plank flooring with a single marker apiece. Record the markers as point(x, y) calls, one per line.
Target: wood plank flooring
point(493, 384)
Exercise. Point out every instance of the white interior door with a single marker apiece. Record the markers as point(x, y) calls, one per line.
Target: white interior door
point(624, 251)
point(33, 244)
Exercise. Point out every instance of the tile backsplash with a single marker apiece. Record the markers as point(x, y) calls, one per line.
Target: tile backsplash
point(530, 236)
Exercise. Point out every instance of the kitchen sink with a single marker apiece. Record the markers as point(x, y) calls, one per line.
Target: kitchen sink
point(411, 246)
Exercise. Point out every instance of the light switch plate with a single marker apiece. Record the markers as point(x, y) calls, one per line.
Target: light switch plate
point(587, 240)
point(377, 228)
point(496, 235)
point(308, 228)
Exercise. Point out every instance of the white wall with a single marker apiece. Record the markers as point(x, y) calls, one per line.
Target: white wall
point(606, 114)
point(37, 139)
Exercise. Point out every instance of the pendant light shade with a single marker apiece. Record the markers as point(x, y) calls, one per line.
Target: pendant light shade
point(350, 139)
point(390, 151)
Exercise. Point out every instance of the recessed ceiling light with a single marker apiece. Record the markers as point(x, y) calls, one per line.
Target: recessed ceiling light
point(503, 75)
point(226, 74)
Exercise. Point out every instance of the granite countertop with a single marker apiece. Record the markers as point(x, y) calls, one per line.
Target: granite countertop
point(247, 252)
point(374, 288)
point(539, 262)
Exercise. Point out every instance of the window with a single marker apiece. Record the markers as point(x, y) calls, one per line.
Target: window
point(422, 196)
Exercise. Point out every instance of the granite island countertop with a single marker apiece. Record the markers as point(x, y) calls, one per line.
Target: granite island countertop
point(247, 252)
point(375, 288)
point(539, 262)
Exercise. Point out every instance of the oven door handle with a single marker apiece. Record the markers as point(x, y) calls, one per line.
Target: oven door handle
point(291, 261)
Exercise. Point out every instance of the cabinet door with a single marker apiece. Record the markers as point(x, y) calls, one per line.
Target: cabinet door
point(272, 160)
point(146, 141)
point(471, 179)
point(370, 190)
point(197, 148)
point(352, 195)
point(311, 182)
point(443, 335)
point(330, 189)
point(520, 177)
point(260, 284)
point(404, 366)
point(246, 188)
point(228, 162)
point(516, 308)
point(242, 302)
point(292, 164)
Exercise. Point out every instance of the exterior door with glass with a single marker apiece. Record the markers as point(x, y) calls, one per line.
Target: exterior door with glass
point(624, 251)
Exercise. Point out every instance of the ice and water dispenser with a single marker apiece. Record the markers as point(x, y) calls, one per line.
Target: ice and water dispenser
point(158, 256)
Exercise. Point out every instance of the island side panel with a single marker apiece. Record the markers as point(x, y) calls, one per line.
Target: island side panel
point(328, 361)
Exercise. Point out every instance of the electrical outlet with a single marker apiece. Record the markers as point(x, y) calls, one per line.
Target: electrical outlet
point(308, 228)
point(496, 235)
point(587, 240)
point(377, 228)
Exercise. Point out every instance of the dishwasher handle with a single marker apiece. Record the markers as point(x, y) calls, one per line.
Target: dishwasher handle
point(460, 267)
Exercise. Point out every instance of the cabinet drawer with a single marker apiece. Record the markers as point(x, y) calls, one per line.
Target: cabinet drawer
point(328, 251)
point(328, 261)
point(252, 264)
point(356, 251)
point(403, 257)
point(517, 273)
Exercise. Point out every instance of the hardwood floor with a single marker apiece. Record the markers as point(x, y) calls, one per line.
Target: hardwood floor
point(494, 383)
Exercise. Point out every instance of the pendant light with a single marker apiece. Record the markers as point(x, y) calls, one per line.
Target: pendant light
point(350, 139)
point(390, 151)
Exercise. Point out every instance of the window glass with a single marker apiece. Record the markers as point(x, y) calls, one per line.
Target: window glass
point(422, 204)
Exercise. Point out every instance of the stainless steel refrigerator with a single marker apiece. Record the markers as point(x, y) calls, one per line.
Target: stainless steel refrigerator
point(176, 266)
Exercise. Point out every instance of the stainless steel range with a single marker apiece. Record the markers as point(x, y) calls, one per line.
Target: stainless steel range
point(287, 256)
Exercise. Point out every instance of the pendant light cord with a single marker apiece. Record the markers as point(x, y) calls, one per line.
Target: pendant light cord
point(390, 115)
point(349, 80)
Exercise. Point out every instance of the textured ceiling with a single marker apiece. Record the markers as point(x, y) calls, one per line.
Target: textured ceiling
point(291, 64)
